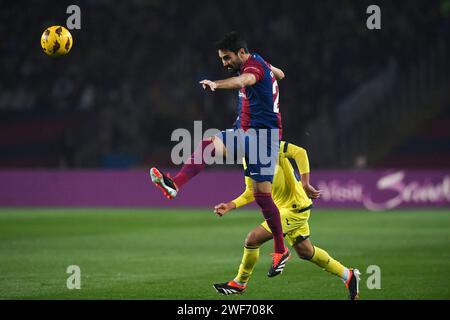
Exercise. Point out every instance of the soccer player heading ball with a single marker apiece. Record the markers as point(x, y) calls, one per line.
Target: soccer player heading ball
point(257, 131)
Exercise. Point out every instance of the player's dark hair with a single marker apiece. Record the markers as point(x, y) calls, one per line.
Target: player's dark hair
point(232, 42)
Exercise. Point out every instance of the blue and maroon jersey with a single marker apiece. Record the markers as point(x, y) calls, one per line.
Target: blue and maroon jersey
point(258, 105)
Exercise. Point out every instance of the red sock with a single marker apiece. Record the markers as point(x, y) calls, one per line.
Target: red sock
point(272, 215)
point(193, 165)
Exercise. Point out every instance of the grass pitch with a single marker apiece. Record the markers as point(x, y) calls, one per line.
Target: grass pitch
point(168, 254)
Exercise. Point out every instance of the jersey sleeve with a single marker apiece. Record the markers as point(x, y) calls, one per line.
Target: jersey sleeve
point(247, 196)
point(296, 153)
point(255, 68)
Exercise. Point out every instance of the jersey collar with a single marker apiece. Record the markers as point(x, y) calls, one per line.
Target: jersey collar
point(252, 57)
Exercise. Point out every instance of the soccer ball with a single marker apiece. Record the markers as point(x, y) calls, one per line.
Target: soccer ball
point(56, 41)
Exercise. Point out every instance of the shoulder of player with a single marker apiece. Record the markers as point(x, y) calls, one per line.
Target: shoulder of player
point(251, 62)
point(260, 60)
point(257, 59)
point(255, 63)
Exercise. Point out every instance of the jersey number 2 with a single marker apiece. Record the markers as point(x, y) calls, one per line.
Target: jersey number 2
point(276, 105)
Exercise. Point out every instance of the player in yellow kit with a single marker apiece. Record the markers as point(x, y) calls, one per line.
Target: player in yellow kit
point(293, 198)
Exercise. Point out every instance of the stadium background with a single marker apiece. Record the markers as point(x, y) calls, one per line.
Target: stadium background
point(78, 133)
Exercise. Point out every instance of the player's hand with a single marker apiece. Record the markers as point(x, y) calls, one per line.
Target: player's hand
point(208, 84)
point(223, 208)
point(311, 192)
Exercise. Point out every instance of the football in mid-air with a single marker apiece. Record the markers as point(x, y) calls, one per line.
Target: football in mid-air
point(56, 41)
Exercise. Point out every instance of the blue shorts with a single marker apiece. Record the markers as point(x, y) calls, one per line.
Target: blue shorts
point(259, 148)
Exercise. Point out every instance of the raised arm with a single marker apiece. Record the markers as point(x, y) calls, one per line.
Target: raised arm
point(278, 73)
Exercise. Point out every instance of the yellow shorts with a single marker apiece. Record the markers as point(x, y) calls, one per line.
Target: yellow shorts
point(294, 224)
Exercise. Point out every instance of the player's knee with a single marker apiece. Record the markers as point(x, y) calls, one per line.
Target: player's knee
point(251, 240)
point(304, 252)
point(206, 142)
point(219, 147)
point(264, 187)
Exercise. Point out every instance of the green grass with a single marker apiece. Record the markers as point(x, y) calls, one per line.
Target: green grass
point(179, 254)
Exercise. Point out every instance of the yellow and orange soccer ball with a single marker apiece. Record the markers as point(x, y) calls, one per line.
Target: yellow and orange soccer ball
point(56, 41)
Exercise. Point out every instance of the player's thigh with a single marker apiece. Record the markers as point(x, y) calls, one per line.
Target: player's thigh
point(261, 156)
point(219, 147)
point(262, 186)
point(228, 144)
point(297, 226)
point(286, 222)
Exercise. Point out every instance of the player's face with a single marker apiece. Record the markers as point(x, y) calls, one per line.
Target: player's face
point(230, 60)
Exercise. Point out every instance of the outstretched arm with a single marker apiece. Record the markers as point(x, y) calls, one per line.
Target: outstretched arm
point(244, 80)
point(245, 198)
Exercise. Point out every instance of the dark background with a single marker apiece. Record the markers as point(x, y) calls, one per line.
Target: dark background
point(353, 97)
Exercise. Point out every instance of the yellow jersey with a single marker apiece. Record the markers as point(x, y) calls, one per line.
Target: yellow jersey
point(287, 190)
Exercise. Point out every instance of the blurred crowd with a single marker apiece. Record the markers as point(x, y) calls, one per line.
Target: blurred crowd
point(135, 65)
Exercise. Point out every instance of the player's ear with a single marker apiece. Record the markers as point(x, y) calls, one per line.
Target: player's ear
point(241, 53)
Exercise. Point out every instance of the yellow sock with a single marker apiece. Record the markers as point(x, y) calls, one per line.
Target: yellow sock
point(249, 259)
point(323, 260)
